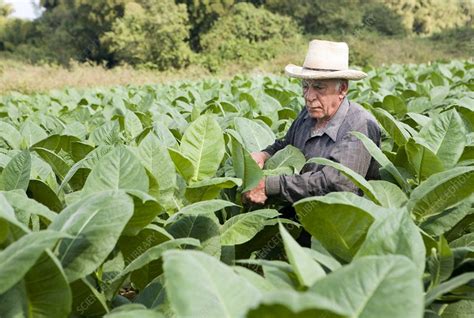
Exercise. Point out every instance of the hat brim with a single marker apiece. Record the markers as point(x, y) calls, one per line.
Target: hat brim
point(304, 73)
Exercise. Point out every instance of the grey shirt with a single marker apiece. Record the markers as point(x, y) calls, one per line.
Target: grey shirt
point(333, 142)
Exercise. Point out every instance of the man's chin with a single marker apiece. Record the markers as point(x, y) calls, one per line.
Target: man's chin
point(316, 114)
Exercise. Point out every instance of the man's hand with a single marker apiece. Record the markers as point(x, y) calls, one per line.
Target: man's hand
point(257, 195)
point(260, 157)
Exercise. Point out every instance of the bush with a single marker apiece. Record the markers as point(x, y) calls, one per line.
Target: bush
point(152, 35)
point(456, 40)
point(321, 16)
point(247, 34)
point(431, 16)
point(380, 18)
point(202, 15)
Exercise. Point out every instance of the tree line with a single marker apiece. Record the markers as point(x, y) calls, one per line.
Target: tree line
point(165, 34)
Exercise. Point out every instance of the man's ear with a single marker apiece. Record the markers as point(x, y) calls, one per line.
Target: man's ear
point(343, 88)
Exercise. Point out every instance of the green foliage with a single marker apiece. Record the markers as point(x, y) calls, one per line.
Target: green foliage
point(380, 18)
point(250, 33)
point(320, 17)
point(458, 39)
point(391, 17)
point(151, 34)
point(5, 9)
point(15, 34)
point(427, 17)
point(145, 184)
point(202, 15)
point(72, 29)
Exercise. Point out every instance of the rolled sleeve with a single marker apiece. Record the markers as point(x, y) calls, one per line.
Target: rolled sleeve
point(272, 185)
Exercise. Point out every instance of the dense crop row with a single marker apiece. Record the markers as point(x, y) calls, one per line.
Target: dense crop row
point(126, 202)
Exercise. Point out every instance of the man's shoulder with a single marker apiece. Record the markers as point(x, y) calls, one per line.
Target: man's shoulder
point(359, 119)
point(359, 116)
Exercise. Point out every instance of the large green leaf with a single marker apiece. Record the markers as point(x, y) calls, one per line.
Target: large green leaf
point(422, 160)
point(184, 164)
point(445, 221)
point(446, 137)
point(244, 166)
point(394, 104)
point(243, 227)
point(358, 180)
point(324, 259)
point(133, 311)
point(393, 127)
point(44, 292)
point(87, 300)
point(212, 290)
point(372, 286)
point(154, 294)
point(47, 288)
point(389, 194)
point(146, 208)
point(292, 304)
point(16, 174)
point(31, 132)
point(395, 234)
point(306, 269)
point(209, 189)
point(440, 263)
point(384, 162)
point(106, 134)
point(459, 309)
point(133, 246)
point(60, 144)
point(255, 279)
point(205, 228)
point(7, 214)
point(59, 165)
point(203, 207)
point(156, 159)
point(254, 136)
point(152, 254)
point(44, 194)
point(440, 191)
point(95, 223)
point(339, 220)
point(289, 156)
point(87, 163)
point(18, 257)
point(25, 207)
point(448, 286)
point(10, 134)
point(203, 144)
point(119, 169)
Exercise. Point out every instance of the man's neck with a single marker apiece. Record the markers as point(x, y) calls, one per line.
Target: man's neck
point(323, 122)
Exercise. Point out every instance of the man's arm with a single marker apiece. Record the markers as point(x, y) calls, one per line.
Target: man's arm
point(350, 152)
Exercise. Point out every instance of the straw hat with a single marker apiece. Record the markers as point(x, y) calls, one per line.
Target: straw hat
point(325, 60)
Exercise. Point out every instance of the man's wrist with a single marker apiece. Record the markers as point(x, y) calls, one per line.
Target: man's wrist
point(272, 185)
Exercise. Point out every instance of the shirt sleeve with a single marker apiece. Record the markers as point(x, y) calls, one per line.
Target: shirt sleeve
point(287, 140)
point(349, 152)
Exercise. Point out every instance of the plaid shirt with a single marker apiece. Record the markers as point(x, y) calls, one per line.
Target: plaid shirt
point(333, 142)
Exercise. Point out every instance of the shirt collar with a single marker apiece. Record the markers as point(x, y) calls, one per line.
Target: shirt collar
point(335, 123)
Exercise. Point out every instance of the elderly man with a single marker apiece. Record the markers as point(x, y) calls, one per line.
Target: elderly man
point(322, 129)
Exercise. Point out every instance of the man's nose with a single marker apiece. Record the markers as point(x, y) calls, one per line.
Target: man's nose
point(310, 94)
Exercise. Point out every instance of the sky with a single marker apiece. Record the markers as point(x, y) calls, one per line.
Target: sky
point(23, 8)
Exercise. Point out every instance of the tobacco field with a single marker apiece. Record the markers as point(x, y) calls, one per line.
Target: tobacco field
point(126, 202)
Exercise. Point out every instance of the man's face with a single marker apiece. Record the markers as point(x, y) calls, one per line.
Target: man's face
point(322, 97)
